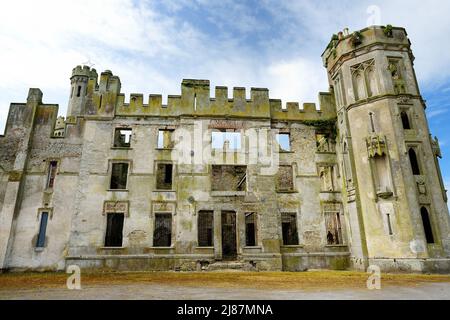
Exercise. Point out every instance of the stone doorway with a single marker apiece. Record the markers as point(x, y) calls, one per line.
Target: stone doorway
point(229, 243)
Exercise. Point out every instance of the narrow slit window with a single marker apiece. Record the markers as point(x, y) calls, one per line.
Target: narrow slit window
point(164, 177)
point(389, 223)
point(162, 236)
point(119, 176)
point(114, 230)
point(122, 138)
point(79, 91)
point(205, 228)
point(372, 122)
point(289, 229)
point(427, 225)
point(100, 102)
point(52, 174)
point(40, 243)
point(284, 142)
point(414, 162)
point(250, 229)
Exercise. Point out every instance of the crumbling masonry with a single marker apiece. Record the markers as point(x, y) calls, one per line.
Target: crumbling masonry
point(207, 183)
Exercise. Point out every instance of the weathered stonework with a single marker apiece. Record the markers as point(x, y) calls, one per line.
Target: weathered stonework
point(121, 185)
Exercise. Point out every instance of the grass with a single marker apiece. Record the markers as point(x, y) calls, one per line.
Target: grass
point(312, 280)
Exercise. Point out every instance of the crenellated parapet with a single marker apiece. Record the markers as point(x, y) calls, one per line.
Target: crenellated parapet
point(195, 101)
point(101, 98)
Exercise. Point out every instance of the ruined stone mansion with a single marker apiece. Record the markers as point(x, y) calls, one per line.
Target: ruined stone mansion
point(237, 180)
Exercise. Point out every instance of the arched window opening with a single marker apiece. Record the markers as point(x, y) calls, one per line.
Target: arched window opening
point(405, 120)
point(79, 91)
point(414, 162)
point(427, 225)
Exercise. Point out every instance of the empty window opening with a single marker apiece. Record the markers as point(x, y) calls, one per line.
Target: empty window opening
point(162, 236)
point(250, 229)
point(52, 174)
point(40, 243)
point(324, 143)
point(284, 141)
point(414, 162)
point(205, 228)
point(164, 177)
point(427, 225)
point(122, 138)
point(119, 176)
point(289, 229)
point(388, 218)
point(114, 230)
point(79, 91)
point(405, 120)
point(285, 179)
point(226, 140)
point(165, 139)
point(333, 228)
point(229, 178)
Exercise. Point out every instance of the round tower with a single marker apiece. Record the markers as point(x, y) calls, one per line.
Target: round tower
point(79, 89)
point(394, 198)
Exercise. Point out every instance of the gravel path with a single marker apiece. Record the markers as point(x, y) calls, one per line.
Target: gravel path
point(159, 292)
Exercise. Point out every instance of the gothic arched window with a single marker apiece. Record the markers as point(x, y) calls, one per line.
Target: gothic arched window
point(427, 225)
point(414, 162)
point(405, 120)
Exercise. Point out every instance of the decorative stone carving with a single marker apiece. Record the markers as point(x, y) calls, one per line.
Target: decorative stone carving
point(376, 145)
point(421, 186)
point(436, 147)
point(116, 207)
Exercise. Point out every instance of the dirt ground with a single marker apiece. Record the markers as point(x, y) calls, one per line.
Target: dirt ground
point(224, 285)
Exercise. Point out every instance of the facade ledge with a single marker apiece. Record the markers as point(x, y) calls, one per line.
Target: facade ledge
point(228, 193)
point(121, 148)
point(118, 190)
point(287, 191)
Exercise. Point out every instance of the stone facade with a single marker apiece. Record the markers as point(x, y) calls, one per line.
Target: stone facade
point(183, 186)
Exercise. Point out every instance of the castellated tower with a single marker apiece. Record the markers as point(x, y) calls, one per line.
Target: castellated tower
point(394, 197)
point(79, 89)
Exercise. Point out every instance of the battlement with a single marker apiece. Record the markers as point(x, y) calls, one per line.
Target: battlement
point(84, 71)
point(195, 100)
point(345, 43)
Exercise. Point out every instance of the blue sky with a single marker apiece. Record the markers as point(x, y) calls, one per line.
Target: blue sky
point(153, 45)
